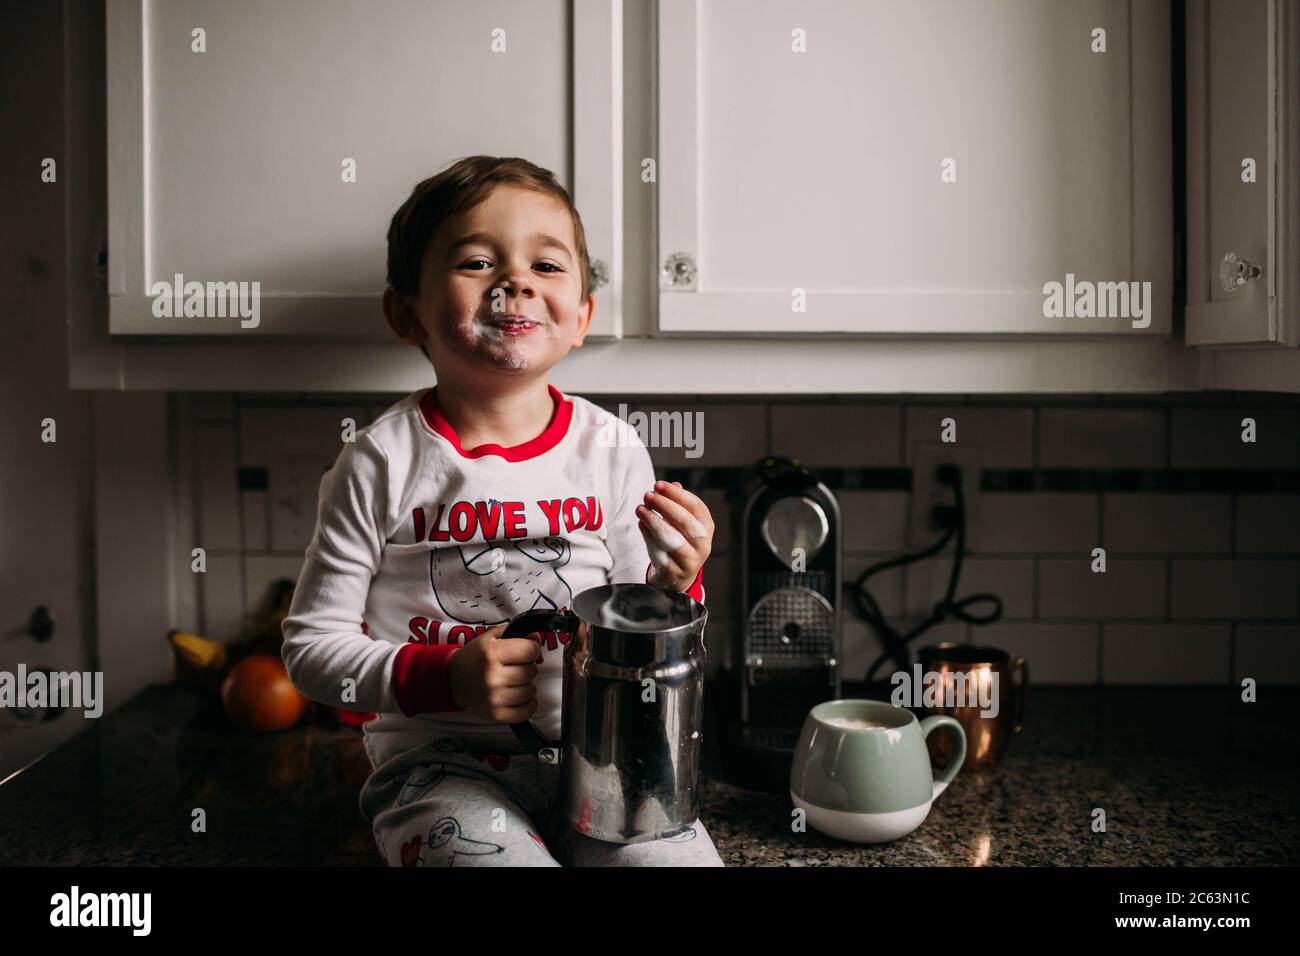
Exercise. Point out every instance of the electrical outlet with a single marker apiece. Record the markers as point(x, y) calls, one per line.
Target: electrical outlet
point(928, 491)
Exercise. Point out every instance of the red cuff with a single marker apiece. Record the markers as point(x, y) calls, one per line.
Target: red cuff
point(421, 681)
point(696, 590)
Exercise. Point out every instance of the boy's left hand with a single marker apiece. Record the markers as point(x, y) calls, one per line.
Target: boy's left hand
point(679, 537)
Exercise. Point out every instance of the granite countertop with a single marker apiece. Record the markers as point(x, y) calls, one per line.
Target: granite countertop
point(1186, 776)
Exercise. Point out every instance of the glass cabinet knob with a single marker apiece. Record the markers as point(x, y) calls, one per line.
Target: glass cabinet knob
point(1235, 272)
point(679, 271)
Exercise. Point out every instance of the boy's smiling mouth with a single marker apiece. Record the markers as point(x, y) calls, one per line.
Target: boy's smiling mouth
point(502, 335)
point(513, 323)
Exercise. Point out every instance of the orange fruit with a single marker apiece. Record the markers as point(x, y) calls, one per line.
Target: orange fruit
point(258, 695)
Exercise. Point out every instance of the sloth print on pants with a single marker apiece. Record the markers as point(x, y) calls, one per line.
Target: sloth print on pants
point(504, 581)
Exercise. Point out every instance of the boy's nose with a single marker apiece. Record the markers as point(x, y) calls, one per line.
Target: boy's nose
point(519, 280)
point(519, 288)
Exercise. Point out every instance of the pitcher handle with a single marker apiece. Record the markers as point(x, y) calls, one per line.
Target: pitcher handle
point(1022, 690)
point(934, 723)
point(539, 619)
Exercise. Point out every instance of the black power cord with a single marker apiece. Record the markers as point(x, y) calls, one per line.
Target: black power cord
point(953, 518)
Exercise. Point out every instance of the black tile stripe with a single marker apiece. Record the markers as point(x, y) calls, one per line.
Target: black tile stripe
point(1084, 480)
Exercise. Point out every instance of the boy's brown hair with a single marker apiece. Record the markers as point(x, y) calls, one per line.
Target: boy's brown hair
point(463, 185)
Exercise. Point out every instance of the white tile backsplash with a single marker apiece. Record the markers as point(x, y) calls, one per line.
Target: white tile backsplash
point(1211, 438)
point(1166, 653)
point(255, 508)
point(1200, 588)
point(1128, 588)
point(719, 435)
point(873, 520)
point(294, 485)
point(838, 435)
point(1004, 434)
point(218, 489)
point(1166, 523)
point(1101, 437)
point(1040, 522)
point(267, 432)
point(861, 646)
point(1056, 653)
point(263, 570)
point(1240, 589)
point(1011, 579)
point(222, 593)
point(885, 586)
point(1268, 524)
point(1270, 653)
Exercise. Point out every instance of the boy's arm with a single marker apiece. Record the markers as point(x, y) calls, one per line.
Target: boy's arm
point(323, 641)
point(624, 539)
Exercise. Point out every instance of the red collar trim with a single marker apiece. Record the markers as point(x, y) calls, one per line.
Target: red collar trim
point(551, 435)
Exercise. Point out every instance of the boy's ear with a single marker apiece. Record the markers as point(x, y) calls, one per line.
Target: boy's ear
point(585, 314)
point(402, 317)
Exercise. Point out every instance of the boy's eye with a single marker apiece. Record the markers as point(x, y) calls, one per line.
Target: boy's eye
point(551, 267)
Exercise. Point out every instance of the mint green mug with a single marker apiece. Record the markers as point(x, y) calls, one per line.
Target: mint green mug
point(862, 770)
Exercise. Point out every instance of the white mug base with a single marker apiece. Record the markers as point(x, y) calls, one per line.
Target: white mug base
point(863, 827)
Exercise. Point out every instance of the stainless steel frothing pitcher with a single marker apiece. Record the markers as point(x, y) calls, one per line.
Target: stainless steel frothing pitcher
point(631, 713)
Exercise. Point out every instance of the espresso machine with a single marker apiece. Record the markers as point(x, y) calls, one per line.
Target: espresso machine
point(786, 650)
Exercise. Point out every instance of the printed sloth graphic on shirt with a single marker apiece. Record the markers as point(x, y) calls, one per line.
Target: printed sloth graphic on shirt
point(480, 585)
point(523, 575)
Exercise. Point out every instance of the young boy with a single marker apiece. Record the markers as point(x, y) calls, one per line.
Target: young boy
point(466, 504)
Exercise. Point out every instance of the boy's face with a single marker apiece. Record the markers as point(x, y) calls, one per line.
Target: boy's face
point(499, 289)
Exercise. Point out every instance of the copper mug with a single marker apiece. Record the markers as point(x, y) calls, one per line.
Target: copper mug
point(986, 737)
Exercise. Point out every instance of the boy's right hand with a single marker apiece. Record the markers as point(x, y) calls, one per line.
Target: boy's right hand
point(492, 677)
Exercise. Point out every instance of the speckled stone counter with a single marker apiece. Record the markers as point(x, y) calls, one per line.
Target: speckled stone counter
point(123, 792)
point(1187, 777)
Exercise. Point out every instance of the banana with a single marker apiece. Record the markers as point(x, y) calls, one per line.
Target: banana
point(198, 652)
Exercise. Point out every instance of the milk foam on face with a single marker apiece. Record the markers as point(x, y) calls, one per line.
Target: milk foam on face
point(503, 351)
point(506, 351)
point(485, 330)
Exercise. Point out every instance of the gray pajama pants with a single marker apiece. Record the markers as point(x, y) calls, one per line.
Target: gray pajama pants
point(445, 804)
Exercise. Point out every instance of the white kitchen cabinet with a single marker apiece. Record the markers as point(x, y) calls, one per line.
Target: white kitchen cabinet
point(820, 173)
point(1064, 165)
point(1243, 102)
point(228, 165)
point(1243, 189)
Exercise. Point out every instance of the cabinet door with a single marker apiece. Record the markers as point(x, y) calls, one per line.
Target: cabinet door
point(824, 172)
point(228, 165)
point(1243, 209)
